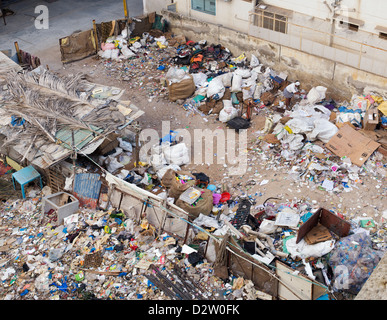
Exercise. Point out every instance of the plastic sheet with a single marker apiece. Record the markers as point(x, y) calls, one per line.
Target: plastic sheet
point(353, 261)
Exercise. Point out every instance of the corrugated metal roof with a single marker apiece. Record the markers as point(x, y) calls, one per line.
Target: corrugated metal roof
point(81, 137)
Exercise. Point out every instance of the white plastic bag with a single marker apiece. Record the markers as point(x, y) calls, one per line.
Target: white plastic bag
point(112, 164)
point(248, 87)
point(228, 112)
point(244, 73)
point(267, 226)
point(125, 145)
point(175, 75)
point(216, 88)
point(254, 62)
point(160, 173)
point(158, 161)
point(298, 125)
point(323, 130)
point(258, 91)
point(236, 85)
point(176, 154)
point(126, 52)
point(304, 250)
point(107, 54)
point(200, 79)
point(115, 53)
point(227, 79)
point(316, 94)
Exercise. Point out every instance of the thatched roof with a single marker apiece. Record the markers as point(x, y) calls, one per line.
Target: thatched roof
point(60, 113)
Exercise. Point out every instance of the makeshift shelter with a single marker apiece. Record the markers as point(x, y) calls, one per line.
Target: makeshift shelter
point(47, 119)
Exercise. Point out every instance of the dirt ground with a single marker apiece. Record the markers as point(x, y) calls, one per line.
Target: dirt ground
point(368, 198)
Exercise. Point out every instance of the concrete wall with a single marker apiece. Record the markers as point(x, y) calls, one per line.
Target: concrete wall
point(372, 12)
point(341, 80)
point(154, 5)
point(311, 28)
point(233, 14)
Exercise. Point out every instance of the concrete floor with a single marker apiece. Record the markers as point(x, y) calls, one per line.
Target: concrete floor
point(65, 17)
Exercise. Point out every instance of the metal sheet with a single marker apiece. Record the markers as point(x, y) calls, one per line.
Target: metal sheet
point(86, 189)
point(81, 137)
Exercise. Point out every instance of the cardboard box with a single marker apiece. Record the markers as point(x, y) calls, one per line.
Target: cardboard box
point(327, 219)
point(350, 143)
point(319, 233)
point(383, 151)
point(371, 119)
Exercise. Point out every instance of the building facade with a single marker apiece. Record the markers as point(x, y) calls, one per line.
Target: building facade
point(350, 32)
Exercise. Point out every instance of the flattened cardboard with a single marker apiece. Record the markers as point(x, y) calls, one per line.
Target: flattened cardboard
point(319, 233)
point(348, 142)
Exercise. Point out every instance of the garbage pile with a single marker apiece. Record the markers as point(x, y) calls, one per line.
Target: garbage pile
point(101, 255)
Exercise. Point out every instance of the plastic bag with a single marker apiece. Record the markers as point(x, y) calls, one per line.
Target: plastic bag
point(353, 261)
point(227, 79)
point(244, 73)
point(105, 54)
point(200, 79)
point(176, 154)
point(323, 130)
point(112, 164)
point(248, 88)
point(228, 112)
point(175, 75)
point(254, 62)
point(258, 91)
point(125, 145)
point(294, 141)
point(126, 52)
point(299, 125)
point(304, 250)
point(114, 54)
point(216, 88)
point(236, 85)
point(158, 161)
point(316, 94)
point(160, 173)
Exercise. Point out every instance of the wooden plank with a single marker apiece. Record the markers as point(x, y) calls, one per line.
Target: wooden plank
point(300, 285)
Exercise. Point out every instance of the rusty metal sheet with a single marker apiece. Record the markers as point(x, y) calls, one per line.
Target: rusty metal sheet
point(86, 189)
point(328, 219)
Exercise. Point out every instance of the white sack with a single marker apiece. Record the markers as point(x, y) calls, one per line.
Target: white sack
point(316, 94)
point(200, 79)
point(323, 130)
point(228, 112)
point(304, 250)
point(236, 83)
point(216, 87)
point(176, 154)
point(254, 62)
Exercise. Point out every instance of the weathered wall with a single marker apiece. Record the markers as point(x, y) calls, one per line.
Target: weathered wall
point(376, 286)
point(342, 81)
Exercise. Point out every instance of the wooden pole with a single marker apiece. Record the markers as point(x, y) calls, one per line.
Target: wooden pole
point(19, 58)
point(126, 11)
point(95, 36)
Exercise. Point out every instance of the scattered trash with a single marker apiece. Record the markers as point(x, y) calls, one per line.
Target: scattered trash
point(54, 245)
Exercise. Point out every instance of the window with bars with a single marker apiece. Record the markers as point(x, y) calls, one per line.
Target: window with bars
point(206, 6)
point(272, 21)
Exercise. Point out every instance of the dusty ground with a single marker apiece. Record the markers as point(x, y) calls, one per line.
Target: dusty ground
point(369, 198)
